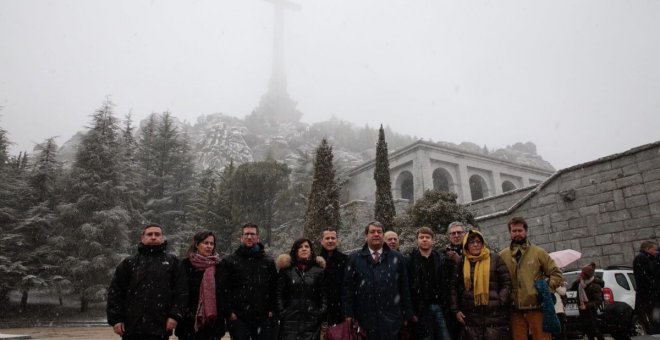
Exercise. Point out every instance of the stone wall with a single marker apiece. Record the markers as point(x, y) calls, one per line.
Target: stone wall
point(604, 208)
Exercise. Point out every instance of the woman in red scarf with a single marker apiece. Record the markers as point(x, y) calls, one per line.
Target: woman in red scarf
point(201, 319)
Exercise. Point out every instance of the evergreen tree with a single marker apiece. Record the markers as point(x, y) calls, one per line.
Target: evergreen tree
point(95, 219)
point(13, 202)
point(223, 209)
point(384, 207)
point(323, 201)
point(437, 209)
point(205, 201)
point(168, 175)
point(37, 226)
point(256, 186)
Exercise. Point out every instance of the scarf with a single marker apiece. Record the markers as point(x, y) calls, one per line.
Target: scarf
point(481, 272)
point(582, 294)
point(207, 310)
point(518, 249)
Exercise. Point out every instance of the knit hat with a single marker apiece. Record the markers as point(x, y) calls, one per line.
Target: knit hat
point(588, 271)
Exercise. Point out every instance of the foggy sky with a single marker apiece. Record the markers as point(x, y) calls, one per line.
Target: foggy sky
point(580, 79)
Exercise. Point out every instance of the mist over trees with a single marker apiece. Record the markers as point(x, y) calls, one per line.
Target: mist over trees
point(66, 222)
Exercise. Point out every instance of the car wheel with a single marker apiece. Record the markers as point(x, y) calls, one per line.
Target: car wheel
point(638, 326)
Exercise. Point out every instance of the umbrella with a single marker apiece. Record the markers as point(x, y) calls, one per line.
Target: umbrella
point(565, 257)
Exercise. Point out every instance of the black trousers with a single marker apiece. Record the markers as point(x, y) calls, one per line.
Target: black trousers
point(590, 324)
point(244, 330)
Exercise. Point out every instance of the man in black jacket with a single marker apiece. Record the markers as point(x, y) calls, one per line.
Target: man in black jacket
point(454, 254)
point(428, 277)
point(334, 274)
point(250, 294)
point(648, 288)
point(148, 290)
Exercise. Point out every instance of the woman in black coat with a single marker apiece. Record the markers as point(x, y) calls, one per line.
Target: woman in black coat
point(202, 319)
point(301, 301)
point(480, 292)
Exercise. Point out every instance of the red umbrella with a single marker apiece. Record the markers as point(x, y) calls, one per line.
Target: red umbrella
point(565, 257)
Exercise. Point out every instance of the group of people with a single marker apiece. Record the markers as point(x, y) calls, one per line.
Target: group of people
point(464, 292)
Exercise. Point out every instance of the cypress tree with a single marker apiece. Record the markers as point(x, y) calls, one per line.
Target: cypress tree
point(384, 207)
point(323, 202)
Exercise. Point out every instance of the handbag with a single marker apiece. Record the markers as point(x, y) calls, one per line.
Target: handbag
point(346, 331)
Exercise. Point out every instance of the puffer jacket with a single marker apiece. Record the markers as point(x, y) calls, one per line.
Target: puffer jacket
point(534, 264)
point(146, 289)
point(484, 322)
point(249, 278)
point(301, 302)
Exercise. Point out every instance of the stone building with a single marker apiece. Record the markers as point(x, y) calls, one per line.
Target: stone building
point(426, 165)
point(604, 208)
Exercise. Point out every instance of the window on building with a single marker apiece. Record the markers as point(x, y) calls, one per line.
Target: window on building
point(442, 180)
point(508, 186)
point(478, 187)
point(406, 185)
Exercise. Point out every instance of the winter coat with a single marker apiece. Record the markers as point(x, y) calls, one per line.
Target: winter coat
point(185, 329)
point(376, 294)
point(648, 288)
point(146, 289)
point(301, 302)
point(249, 278)
point(441, 271)
point(594, 292)
point(333, 278)
point(484, 322)
point(534, 264)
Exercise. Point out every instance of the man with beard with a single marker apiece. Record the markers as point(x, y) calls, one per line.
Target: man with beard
point(375, 290)
point(526, 263)
point(148, 290)
point(251, 281)
point(334, 274)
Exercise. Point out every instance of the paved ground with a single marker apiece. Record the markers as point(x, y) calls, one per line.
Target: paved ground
point(65, 333)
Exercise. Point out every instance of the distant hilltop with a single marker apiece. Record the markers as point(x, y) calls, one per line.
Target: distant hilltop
point(218, 139)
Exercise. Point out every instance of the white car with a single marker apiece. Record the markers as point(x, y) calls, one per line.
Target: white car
point(617, 316)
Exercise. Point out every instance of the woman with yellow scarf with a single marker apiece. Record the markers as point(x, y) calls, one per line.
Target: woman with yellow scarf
point(480, 291)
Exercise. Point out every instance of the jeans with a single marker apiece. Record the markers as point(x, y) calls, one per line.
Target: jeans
point(434, 322)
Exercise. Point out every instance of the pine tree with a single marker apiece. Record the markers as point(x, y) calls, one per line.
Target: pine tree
point(384, 206)
point(323, 201)
point(224, 207)
point(95, 218)
point(37, 227)
point(256, 186)
point(168, 175)
point(13, 193)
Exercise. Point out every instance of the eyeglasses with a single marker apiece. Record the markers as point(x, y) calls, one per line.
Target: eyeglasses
point(457, 233)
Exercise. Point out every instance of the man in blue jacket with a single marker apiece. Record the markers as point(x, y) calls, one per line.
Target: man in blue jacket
point(375, 289)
